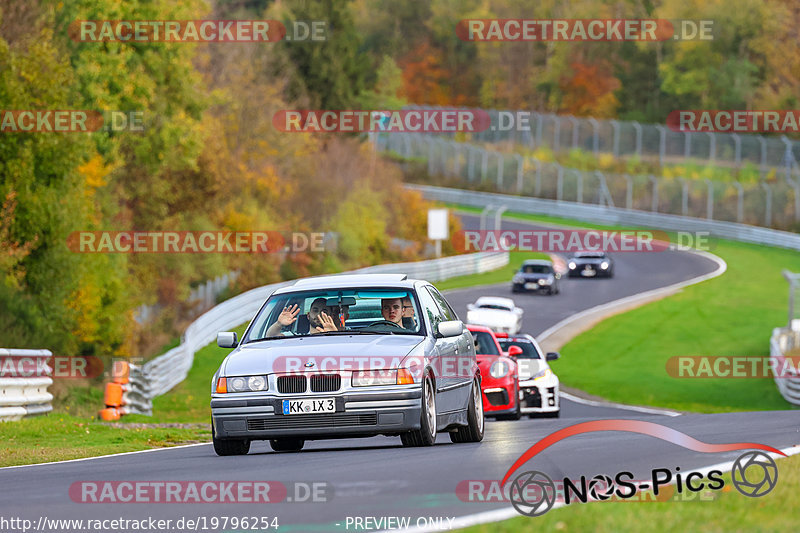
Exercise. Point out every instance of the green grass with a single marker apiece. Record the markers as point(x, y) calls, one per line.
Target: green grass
point(62, 436)
point(728, 511)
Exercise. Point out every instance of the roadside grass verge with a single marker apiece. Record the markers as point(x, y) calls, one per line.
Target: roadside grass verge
point(729, 511)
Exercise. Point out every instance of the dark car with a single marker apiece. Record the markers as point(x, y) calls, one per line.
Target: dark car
point(590, 265)
point(536, 275)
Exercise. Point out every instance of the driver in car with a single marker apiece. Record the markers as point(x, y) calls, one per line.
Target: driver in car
point(392, 310)
point(319, 320)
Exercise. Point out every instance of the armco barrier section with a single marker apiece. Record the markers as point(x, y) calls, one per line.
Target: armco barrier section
point(161, 374)
point(784, 341)
point(613, 216)
point(24, 393)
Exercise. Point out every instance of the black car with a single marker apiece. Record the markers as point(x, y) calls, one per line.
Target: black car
point(536, 275)
point(590, 265)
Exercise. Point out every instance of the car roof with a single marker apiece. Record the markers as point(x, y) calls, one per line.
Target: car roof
point(355, 281)
point(475, 327)
point(495, 300)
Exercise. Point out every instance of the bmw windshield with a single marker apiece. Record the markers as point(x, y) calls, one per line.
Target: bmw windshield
point(337, 311)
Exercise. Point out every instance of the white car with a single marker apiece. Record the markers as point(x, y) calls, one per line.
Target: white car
point(538, 385)
point(500, 315)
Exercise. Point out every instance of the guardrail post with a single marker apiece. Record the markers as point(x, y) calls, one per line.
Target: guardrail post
point(498, 217)
point(709, 200)
point(484, 215)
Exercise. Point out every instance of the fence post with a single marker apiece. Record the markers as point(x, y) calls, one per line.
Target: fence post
point(556, 133)
point(687, 144)
point(684, 197)
point(576, 127)
point(539, 125)
point(739, 201)
point(456, 158)
point(768, 205)
point(538, 190)
point(709, 200)
point(595, 135)
point(712, 147)
point(484, 163)
point(500, 168)
point(560, 183)
point(763, 143)
point(737, 143)
point(628, 191)
point(654, 181)
point(615, 128)
point(638, 128)
point(471, 163)
point(579, 192)
point(662, 144)
point(520, 170)
point(606, 193)
point(430, 158)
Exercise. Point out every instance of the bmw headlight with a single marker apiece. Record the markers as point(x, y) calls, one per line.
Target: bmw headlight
point(604, 265)
point(572, 265)
point(546, 281)
point(498, 369)
point(247, 383)
point(518, 279)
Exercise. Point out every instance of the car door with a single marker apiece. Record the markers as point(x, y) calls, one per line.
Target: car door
point(458, 369)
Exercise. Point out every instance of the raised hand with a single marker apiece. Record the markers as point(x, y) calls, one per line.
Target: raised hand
point(288, 315)
point(327, 323)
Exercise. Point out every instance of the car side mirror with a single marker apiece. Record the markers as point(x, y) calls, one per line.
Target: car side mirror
point(451, 328)
point(227, 339)
point(552, 356)
point(514, 351)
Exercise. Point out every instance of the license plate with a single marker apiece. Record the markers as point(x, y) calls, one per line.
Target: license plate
point(589, 272)
point(314, 405)
point(531, 285)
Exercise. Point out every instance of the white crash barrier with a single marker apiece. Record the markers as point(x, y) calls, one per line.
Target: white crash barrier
point(24, 393)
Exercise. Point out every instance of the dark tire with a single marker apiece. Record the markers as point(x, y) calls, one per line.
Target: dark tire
point(223, 447)
point(473, 432)
point(426, 435)
point(287, 445)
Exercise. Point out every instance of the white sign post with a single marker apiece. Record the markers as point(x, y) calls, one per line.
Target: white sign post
point(438, 228)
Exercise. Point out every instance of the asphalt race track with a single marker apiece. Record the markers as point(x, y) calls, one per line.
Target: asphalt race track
point(377, 477)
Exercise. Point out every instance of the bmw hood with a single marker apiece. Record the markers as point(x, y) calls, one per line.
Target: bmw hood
point(320, 353)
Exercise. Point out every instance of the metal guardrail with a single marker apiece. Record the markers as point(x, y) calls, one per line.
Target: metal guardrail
point(161, 374)
point(24, 393)
point(787, 379)
point(614, 216)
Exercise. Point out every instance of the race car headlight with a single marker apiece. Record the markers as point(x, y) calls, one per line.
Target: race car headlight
point(246, 383)
point(572, 265)
point(369, 378)
point(604, 265)
point(543, 374)
point(518, 279)
point(498, 369)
